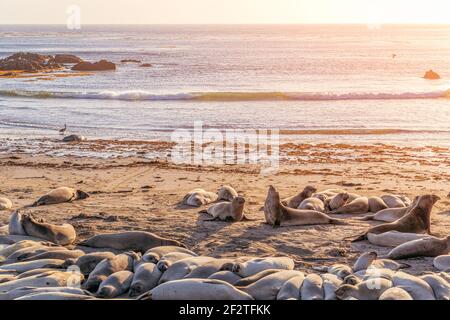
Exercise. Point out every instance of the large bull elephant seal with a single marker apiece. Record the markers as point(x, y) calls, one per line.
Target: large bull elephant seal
point(278, 214)
point(60, 195)
point(416, 221)
point(139, 241)
point(63, 235)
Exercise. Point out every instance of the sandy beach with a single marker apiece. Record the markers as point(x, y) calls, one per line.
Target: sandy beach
point(141, 194)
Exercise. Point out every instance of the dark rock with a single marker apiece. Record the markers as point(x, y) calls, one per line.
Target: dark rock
point(431, 75)
point(146, 65)
point(130, 60)
point(28, 62)
point(101, 65)
point(67, 58)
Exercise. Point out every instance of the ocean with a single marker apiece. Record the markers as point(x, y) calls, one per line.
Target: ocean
point(315, 83)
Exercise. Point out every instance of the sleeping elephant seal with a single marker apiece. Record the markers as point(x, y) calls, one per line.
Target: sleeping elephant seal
point(116, 284)
point(63, 235)
point(312, 288)
point(5, 204)
point(370, 289)
point(107, 267)
point(89, 261)
point(256, 265)
point(15, 224)
point(336, 201)
point(139, 241)
point(295, 201)
point(442, 263)
point(416, 287)
point(357, 206)
point(393, 201)
point(394, 238)
point(416, 221)
point(146, 277)
point(155, 254)
point(278, 214)
point(60, 195)
point(428, 247)
point(440, 286)
point(376, 204)
point(196, 289)
point(227, 211)
point(227, 193)
point(199, 197)
point(395, 293)
point(313, 203)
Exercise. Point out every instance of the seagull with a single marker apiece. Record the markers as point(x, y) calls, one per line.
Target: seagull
point(61, 131)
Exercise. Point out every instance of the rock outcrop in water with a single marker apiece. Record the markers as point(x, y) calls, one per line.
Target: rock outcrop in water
point(28, 62)
point(67, 59)
point(102, 65)
point(431, 75)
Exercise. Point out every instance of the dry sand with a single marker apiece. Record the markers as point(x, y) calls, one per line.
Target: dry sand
point(140, 194)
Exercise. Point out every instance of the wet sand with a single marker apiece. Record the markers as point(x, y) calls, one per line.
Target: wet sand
point(135, 193)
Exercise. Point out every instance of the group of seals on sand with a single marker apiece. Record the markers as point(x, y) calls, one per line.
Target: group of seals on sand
point(37, 270)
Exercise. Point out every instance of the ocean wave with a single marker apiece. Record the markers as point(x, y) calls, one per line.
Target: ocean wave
point(142, 95)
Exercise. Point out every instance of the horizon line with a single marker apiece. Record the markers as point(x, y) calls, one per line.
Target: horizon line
point(236, 24)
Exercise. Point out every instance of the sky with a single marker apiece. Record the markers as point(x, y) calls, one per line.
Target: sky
point(226, 11)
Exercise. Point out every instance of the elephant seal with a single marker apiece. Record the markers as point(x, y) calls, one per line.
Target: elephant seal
point(227, 211)
point(63, 235)
point(416, 287)
point(183, 267)
point(394, 238)
point(253, 266)
point(25, 291)
point(7, 251)
point(60, 195)
point(15, 224)
point(370, 289)
point(58, 296)
point(57, 279)
point(388, 264)
point(196, 289)
point(243, 282)
point(121, 262)
point(357, 206)
point(291, 288)
point(364, 261)
point(155, 254)
point(336, 201)
point(312, 203)
point(199, 197)
point(168, 259)
point(442, 263)
point(373, 272)
point(295, 201)
point(146, 277)
point(139, 241)
point(416, 221)
point(57, 254)
point(441, 288)
point(278, 214)
point(267, 288)
point(395, 293)
point(312, 288)
point(387, 215)
point(74, 138)
point(226, 193)
point(21, 267)
point(226, 276)
point(376, 204)
point(5, 204)
point(331, 283)
point(339, 270)
point(89, 261)
point(393, 201)
point(428, 247)
point(207, 269)
point(116, 284)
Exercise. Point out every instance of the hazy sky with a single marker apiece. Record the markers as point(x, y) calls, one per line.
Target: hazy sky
point(227, 11)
